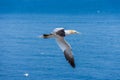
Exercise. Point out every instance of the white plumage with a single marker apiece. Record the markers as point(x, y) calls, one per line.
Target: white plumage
point(59, 34)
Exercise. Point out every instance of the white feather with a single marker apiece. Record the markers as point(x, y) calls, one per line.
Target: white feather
point(62, 43)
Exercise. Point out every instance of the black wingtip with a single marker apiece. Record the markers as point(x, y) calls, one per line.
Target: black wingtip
point(72, 63)
point(73, 66)
point(70, 59)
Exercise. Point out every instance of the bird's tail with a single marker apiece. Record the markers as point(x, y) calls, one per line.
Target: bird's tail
point(45, 36)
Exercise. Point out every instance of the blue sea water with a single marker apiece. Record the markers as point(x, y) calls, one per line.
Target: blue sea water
point(96, 49)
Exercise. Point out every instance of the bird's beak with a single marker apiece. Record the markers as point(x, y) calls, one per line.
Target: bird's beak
point(77, 32)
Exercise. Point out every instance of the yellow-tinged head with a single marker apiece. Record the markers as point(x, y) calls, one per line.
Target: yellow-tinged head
point(73, 32)
point(68, 32)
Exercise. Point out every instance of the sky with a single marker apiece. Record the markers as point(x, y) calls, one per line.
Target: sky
point(60, 6)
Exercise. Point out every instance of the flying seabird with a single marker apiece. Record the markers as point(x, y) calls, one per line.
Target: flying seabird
point(59, 34)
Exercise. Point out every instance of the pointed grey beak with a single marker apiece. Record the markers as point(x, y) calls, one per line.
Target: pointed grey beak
point(78, 32)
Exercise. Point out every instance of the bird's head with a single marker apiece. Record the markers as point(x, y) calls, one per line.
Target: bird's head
point(71, 32)
point(74, 32)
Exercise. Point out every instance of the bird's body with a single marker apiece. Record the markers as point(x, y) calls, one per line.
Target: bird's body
point(59, 34)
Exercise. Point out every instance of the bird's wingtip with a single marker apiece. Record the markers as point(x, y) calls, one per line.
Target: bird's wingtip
point(73, 66)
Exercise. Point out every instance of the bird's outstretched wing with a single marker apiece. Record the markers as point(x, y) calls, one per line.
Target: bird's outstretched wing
point(69, 57)
point(66, 49)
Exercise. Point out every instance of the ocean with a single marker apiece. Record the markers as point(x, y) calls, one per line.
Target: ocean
point(96, 50)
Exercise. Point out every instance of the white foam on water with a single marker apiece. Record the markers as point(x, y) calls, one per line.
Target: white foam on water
point(26, 74)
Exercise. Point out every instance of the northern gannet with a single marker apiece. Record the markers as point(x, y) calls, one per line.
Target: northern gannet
point(59, 34)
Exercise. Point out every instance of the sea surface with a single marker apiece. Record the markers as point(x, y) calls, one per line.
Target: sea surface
point(96, 50)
